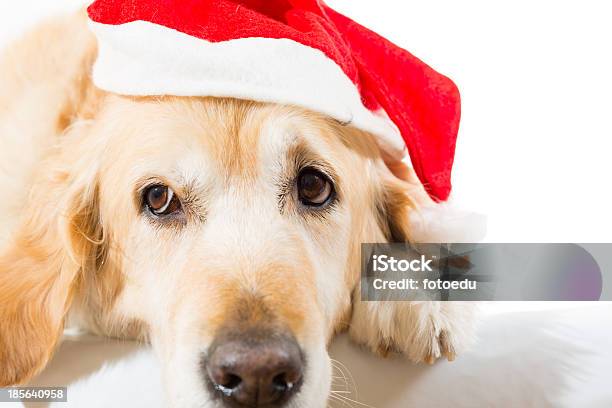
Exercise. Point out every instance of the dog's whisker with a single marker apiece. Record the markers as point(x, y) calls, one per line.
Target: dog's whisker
point(335, 398)
point(350, 381)
point(342, 377)
point(348, 388)
point(349, 400)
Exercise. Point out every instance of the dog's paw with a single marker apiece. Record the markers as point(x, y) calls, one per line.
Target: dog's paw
point(435, 343)
point(423, 331)
point(443, 330)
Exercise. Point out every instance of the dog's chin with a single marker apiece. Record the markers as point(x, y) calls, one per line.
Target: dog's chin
point(187, 387)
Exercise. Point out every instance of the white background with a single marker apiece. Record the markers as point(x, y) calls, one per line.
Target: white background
point(535, 78)
point(533, 156)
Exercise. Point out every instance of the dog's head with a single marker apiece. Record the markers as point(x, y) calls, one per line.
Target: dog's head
point(227, 232)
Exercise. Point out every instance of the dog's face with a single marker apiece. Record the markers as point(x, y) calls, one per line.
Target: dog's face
point(238, 222)
point(226, 232)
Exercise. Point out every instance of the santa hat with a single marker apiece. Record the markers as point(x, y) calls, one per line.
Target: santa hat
point(298, 52)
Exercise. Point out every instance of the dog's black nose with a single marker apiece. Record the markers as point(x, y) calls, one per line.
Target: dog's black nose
point(255, 369)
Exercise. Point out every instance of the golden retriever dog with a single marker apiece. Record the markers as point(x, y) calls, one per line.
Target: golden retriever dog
point(224, 232)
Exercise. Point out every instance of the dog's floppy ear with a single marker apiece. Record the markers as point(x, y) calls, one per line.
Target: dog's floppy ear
point(41, 266)
point(400, 202)
point(422, 331)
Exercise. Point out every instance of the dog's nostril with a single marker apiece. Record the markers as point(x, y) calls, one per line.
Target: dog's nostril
point(228, 386)
point(279, 382)
point(284, 382)
point(266, 371)
point(232, 381)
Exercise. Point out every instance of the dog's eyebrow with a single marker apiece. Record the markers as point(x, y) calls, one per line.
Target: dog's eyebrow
point(300, 155)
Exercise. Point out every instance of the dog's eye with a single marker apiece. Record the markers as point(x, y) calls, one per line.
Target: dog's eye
point(161, 200)
point(314, 188)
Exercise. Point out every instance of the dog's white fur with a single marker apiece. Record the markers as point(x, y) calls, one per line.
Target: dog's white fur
point(76, 244)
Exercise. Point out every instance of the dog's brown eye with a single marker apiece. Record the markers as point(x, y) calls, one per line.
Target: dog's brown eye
point(161, 200)
point(314, 188)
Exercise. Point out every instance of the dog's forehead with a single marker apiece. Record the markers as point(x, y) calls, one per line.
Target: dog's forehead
point(212, 142)
point(238, 138)
point(255, 139)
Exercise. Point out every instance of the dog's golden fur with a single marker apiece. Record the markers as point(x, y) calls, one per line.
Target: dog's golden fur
point(74, 244)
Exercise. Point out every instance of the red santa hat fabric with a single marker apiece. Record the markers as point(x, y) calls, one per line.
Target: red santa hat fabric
point(298, 52)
